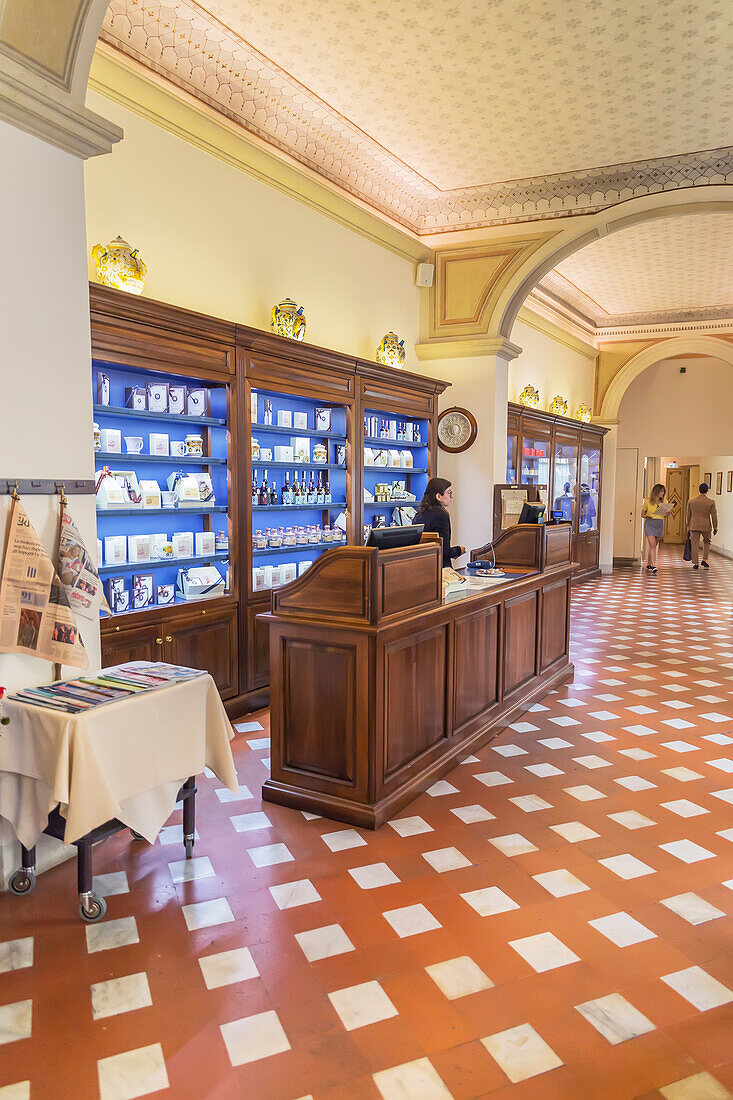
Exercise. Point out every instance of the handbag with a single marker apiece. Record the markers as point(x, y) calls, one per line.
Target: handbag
point(687, 552)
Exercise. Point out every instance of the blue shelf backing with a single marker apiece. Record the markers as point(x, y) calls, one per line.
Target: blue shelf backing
point(199, 510)
point(394, 470)
point(162, 563)
point(297, 507)
point(171, 460)
point(276, 429)
point(371, 440)
point(144, 414)
point(261, 463)
point(279, 550)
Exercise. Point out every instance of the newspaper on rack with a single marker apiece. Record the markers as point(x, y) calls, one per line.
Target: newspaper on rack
point(35, 616)
point(78, 573)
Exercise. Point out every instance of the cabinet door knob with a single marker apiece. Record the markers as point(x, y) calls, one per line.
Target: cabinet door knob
point(158, 641)
point(169, 637)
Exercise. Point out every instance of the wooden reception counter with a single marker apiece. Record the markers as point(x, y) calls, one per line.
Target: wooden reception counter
point(379, 685)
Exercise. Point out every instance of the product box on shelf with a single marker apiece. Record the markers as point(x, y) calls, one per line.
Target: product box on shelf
point(185, 489)
point(323, 420)
point(176, 398)
point(118, 597)
point(157, 542)
point(143, 588)
point(157, 396)
point(253, 406)
point(283, 454)
point(284, 418)
point(115, 549)
point(201, 582)
point(196, 401)
point(204, 542)
point(165, 594)
point(110, 495)
point(99, 552)
point(111, 440)
point(300, 420)
point(182, 544)
point(301, 448)
point(158, 443)
point(150, 491)
point(138, 548)
point(103, 388)
point(136, 398)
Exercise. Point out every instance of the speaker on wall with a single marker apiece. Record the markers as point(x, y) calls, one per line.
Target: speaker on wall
point(424, 274)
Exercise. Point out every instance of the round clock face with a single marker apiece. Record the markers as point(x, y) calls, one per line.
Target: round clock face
point(456, 430)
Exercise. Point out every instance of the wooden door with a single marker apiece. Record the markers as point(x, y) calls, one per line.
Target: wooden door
point(206, 639)
point(142, 644)
point(678, 482)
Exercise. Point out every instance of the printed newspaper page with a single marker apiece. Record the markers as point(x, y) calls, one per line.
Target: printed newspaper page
point(77, 571)
point(35, 616)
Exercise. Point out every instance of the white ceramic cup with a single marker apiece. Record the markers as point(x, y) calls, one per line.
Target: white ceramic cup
point(178, 448)
point(133, 444)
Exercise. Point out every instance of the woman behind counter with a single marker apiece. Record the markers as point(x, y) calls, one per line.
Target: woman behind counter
point(433, 513)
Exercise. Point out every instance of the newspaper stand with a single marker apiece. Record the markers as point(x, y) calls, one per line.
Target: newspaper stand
point(91, 907)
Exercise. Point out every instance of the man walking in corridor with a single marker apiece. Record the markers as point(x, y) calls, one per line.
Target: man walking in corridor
point(701, 519)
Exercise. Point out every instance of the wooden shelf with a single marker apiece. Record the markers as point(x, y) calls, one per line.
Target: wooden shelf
point(370, 439)
point(276, 429)
point(158, 563)
point(296, 549)
point(296, 507)
point(394, 469)
point(174, 460)
point(202, 510)
point(145, 414)
point(296, 465)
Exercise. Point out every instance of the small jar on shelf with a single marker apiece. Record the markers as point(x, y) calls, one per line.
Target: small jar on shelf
point(259, 541)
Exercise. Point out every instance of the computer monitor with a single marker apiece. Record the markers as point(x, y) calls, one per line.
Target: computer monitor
point(532, 513)
point(389, 538)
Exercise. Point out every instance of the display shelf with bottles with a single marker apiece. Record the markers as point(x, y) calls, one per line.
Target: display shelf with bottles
point(395, 471)
point(303, 442)
point(162, 495)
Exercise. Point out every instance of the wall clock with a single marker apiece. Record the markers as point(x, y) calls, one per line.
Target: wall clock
point(457, 429)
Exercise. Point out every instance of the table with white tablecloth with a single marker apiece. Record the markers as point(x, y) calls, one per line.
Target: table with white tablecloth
point(124, 760)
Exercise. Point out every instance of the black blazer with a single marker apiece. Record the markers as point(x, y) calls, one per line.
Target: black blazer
point(437, 519)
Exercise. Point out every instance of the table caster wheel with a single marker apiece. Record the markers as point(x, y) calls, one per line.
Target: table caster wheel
point(189, 847)
point(22, 882)
point(93, 910)
point(136, 836)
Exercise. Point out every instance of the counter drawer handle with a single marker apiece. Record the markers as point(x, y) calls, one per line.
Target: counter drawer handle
point(169, 637)
point(158, 641)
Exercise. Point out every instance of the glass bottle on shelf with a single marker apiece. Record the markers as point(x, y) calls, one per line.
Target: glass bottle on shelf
point(289, 538)
point(264, 490)
point(285, 492)
point(300, 537)
point(320, 492)
point(416, 437)
point(273, 493)
point(259, 541)
point(255, 490)
point(327, 490)
point(274, 539)
point(296, 489)
point(267, 415)
point(312, 496)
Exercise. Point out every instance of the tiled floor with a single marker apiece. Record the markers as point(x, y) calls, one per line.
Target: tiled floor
point(552, 919)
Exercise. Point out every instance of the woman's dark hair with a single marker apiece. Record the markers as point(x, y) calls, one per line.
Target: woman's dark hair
point(430, 498)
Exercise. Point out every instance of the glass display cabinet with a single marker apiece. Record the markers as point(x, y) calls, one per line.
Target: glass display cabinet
point(395, 467)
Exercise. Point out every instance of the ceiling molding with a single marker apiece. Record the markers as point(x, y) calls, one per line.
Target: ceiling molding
point(467, 347)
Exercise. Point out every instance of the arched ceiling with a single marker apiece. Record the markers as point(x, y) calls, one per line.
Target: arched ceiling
point(461, 114)
point(653, 271)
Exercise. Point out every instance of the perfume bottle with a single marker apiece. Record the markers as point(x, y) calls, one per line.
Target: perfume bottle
point(267, 418)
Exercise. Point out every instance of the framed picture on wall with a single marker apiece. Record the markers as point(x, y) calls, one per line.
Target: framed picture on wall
point(719, 483)
point(708, 479)
point(730, 481)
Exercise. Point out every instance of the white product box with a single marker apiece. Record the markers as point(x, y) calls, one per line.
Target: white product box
point(182, 544)
point(178, 448)
point(206, 489)
point(266, 454)
point(267, 575)
point(150, 491)
point(203, 582)
point(115, 550)
point(303, 566)
point(156, 542)
point(158, 443)
point(99, 552)
point(205, 542)
point(394, 458)
point(258, 579)
point(323, 420)
point(301, 448)
point(138, 548)
point(408, 431)
point(284, 418)
point(300, 420)
point(406, 458)
point(253, 406)
point(392, 425)
point(157, 396)
point(176, 399)
point(277, 577)
point(368, 456)
point(196, 402)
point(380, 458)
point(288, 572)
point(111, 440)
point(135, 398)
point(110, 496)
point(283, 454)
point(186, 490)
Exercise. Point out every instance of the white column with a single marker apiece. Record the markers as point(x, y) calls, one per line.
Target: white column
point(608, 493)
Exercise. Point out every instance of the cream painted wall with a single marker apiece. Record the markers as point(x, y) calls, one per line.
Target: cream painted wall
point(551, 367)
point(218, 241)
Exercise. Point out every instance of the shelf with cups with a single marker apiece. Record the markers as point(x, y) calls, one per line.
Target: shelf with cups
point(161, 563)
point(171, 460)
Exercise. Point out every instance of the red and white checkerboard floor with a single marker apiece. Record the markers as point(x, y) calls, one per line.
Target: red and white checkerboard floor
point(552, 919)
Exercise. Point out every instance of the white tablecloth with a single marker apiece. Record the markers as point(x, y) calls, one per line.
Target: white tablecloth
point(125, 759)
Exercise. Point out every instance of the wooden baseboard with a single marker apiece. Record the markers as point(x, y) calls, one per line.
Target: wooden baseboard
point(250, 701)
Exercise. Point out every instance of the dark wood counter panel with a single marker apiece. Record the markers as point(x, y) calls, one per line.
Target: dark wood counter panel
point(383, 686)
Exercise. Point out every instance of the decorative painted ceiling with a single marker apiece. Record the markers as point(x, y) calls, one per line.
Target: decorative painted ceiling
point(466, 113)
point(673, 267)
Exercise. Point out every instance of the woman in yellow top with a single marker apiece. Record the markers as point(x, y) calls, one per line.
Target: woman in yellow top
point(653, 525)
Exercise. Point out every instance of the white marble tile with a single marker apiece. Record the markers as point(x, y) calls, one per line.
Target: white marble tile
point(615, 1018)
point(641, 709)
point(639, 731)
point(510, 750)
point(323, 943)
point(626, 866)
point(637, 754)
point(185, 870)
point(289, 895)
point(513, 844)
point(308, 816)
point(700, 1086)
point(678, 723)
point(106, 886)
point(727, 834)
point(266, 762)
point(489, 901)
point(21, 1090)
point(634, 783)
point(632, 819)
point(493, 779)
point(598, 736)
point(680, 746)
point(521, 1053)
point(410, 826)
point(254, 1037)
point(684, 775)
point(622, 929)
point(15, 1021)
point(470, 759)
point(471, 814)
point(120, 995)
point(555, 743)
point(693, 909)
point(342, 839)
point(564, 721)
point(544, 951)
point(584, 793)
point(228, 967)
point(16, 954)
point(247, 727)
point(604, 715)
point(560, 883)
point(530, 803)
point(544, 771)
point(574, 831)
point(134, 1073)
point(360, 1005)
point(701, 989)
point(111, 933)
point(411, 920)
point(523, 727)
point(684, 808)
point(687, 851)
point(258, 743)
point(440, 788)
point(718, 738)
point(722, 764)
point(459, 977)
point(411, 1080)
point(207, 914)
point(240, 795)
point(171, 834)
point(446, 859)
point(269, 855)
point(373, 876)
point(592, 762)
point(714, 716)
point(248, 823)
